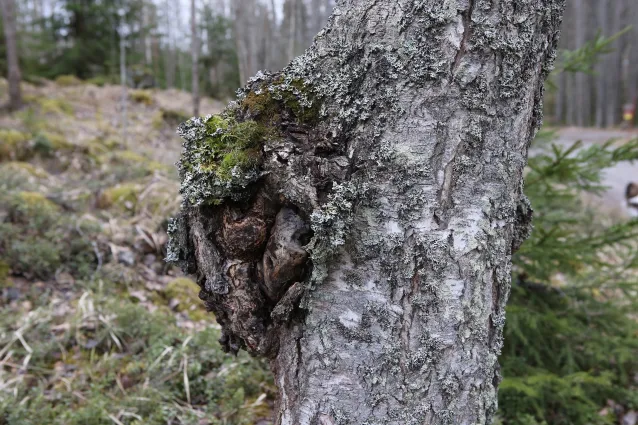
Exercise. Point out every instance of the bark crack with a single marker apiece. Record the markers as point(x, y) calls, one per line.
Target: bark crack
point(407, 319)
point(467, 32)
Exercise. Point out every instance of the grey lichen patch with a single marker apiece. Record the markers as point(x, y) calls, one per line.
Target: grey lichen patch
point(523, 224)
point(331, 224)
point(179, 250)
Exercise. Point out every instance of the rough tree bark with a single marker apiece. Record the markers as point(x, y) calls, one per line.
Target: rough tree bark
point(13, 66)
point(352, 218)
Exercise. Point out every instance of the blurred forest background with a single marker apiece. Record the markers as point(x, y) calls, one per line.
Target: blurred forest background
point(233, 38)
point(95, 328)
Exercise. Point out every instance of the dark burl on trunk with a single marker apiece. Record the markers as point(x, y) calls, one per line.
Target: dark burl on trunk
point(239, 231)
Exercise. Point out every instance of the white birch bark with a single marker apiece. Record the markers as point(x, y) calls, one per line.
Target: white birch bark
point(411, 180)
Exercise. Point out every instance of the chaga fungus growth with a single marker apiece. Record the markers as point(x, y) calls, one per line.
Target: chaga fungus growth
point(251, 180)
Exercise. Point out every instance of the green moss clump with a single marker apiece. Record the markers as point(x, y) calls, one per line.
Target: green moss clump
point(28, 168)
point(5, 268)
point(123, 195)
point(34, 203)
point(68, 80)
point(133, 162)
point(186, 292)
point(36, 240)
point(221, 157)
point(169, 117)
point(13, 144)
point(141, 96)
point(47, 143)
point(99, 81)
point(54, 106)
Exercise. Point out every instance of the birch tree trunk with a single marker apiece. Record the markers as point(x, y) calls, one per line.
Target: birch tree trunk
point(601, 67)
point(352, 218)
point(194, 59)
point(169, 55)
point(613, 63)
point(13, 66)
point(581, 101)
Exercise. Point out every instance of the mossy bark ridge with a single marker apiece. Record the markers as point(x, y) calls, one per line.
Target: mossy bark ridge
point(352, 218)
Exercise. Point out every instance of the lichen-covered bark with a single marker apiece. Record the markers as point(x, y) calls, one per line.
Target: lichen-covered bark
point(364, 243)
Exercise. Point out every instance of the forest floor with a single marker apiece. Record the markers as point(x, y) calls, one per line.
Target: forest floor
point(94, 327)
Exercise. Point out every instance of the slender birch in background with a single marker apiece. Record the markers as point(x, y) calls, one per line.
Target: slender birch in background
point(124, 100)
point(194, 59)
point(13, 66)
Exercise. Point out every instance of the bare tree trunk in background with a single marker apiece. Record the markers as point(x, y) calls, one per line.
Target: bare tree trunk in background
point(613, 68)
point(559, 107)
point(632, 89)
point(245, 32)
point(155, 43)
point(568, 31)
point(410, 178)
point(13, 65)
point(169, 56)
point(292, 30)
point(147, 39)
point(272, 55)
point(601, 67)
point(195, 59)
point(583, 87)
point(124, 99)
point(628, 51)
point(181, 68)
point(238, 10)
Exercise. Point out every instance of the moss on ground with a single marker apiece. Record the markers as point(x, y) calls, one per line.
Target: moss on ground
point(186, 293)
point(168, 117)
point(129, 364)
point(54, 106)
point(88, 317)
point(122, 195)
point(37, 240)
point(25, 167)
point(68, 80)
point(14, 144)
point(144, 97)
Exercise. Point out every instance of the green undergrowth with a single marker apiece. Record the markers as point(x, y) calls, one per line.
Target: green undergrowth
point(144, 97)
point(565, 356)
point(571, 335)
point(38, 240)
point(169, 117)
point(97, 359)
